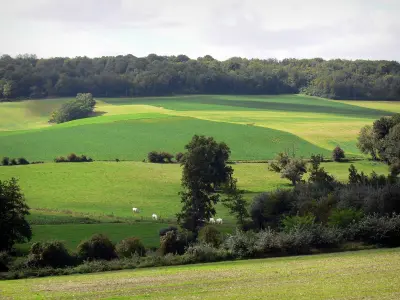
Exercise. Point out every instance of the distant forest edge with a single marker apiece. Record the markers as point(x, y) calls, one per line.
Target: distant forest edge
point(26, 76)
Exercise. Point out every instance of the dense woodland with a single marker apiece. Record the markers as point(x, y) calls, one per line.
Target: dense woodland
point(26, 76)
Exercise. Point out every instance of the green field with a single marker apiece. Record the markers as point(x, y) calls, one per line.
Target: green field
point(73, 234)
point(110, 188)
point(353, 275)
point(255, 127)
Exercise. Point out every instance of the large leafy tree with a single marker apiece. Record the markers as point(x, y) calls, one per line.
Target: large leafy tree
point(290, 168)
point(13, 226)
point(367, 142)
point(205, 171)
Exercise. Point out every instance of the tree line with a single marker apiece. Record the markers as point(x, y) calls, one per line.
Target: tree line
point(26, 76)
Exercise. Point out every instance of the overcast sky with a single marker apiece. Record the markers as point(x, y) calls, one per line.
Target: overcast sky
point(368, 29)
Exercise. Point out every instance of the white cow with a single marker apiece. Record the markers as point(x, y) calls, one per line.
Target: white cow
point(212, 221)
point(219, 221)
point(154, 217)
point(135, 210)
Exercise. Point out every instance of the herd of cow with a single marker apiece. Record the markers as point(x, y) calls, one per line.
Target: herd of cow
point(155, 217)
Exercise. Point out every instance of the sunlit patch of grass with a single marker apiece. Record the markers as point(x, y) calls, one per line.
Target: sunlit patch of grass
point(369, 274)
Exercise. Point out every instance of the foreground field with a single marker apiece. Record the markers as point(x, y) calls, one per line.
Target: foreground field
point(255, 127)
point(353, 275)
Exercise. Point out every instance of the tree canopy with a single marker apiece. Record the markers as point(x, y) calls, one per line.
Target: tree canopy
point(13, 226)
point(204, 172)
point(27, 76)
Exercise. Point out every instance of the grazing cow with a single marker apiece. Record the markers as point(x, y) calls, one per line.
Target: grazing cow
point(212, 221)
point(154, 217)
point(219, 221)
point(135, 210)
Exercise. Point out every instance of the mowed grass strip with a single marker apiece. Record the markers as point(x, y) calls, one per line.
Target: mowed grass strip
point(133, 139)
point(369, 274)
point(111, 188)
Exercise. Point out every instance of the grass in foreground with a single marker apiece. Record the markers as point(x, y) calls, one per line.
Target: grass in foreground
point(352, 275)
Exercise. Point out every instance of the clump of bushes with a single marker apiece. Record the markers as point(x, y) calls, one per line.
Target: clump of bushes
point(338, 154)
point(6, 161)
point(159, 157)
point(210, 235)
point(5, 259)
point(73, 158)
point(81, 107)
point(98, 247)
point(49, 254)
point(130, 246)
point(380, 230)
point(179, 156)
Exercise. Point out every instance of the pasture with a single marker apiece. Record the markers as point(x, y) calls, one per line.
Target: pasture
point(369, 274)
point(255, 127)
point(111, 189)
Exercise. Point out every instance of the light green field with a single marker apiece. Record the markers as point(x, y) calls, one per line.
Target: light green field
point(255, 127)
point(111, 188)
point(353, 275)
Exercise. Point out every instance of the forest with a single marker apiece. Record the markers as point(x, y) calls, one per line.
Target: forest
point(26, 76)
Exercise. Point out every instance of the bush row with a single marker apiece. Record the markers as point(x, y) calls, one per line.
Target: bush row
point(73, 158)
point(163, 157)
point(179, 247)
point(6, 161)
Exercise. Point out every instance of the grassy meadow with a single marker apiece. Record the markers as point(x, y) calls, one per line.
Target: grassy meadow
point(369, 274)
point(107, 189)
point(255, 127)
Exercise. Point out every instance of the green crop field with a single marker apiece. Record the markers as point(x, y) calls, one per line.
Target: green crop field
point(353, 275)
point(255, 127)
point(111, 188)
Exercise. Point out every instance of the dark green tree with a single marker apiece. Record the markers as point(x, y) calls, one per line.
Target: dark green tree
point(235, 202)
point(205, 170)
point(14, 228)
point(79, 108)
point(338, 154)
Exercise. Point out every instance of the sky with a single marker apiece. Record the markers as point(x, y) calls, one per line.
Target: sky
point(349, 29)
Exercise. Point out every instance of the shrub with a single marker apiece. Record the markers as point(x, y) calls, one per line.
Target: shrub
point(297, 241)
point(60, 159)
point(267, 208)
point(13, 162)
point(23, 161)
point(325, 237)
point(172, 242)
point(291, 222)
point(5, 161)
point(49, 254)
point(210, 235)
point(72, 157)
point(242, 244)
point(5, 259)
point(203, 252)
point(129, 247)
point(163, 231)
point(166, 156)
point(153, 157)
point(179, 156)
point(342, 218)
point(268, 241)
point(379, 230)
point(97, 247)
point(338, 154)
